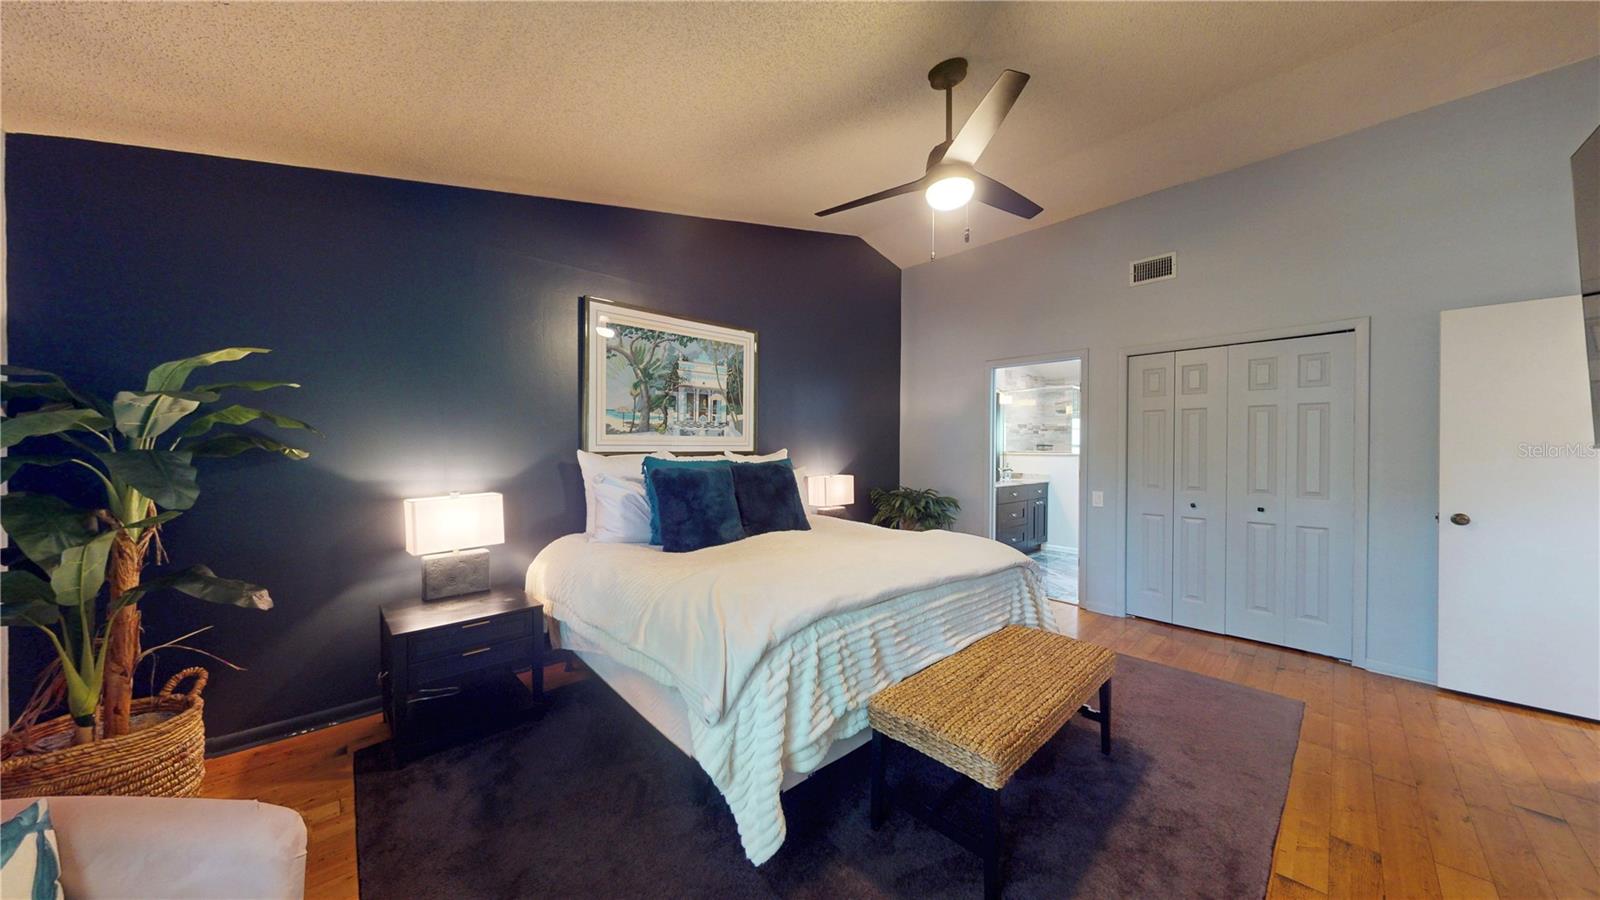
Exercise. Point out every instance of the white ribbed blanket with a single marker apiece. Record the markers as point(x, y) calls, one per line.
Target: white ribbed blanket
point(776, 642)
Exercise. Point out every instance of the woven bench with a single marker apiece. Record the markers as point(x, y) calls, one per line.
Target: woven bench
point(984, 712)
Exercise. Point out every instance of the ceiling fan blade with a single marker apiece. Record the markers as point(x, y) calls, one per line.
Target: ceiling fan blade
point(981, 126)
point(896, 191)
point(1003, 198)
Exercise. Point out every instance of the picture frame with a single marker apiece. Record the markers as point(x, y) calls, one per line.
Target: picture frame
point(653, 381)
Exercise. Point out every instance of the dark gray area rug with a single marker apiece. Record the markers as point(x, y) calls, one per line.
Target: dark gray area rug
point(590, 801)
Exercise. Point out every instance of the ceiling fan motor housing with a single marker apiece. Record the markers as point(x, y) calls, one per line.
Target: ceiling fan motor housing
point(941, 171)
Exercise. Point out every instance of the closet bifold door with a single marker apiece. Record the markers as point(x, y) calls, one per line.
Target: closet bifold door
point(1291, 425)
point(1256, 399)
point(1148, 578)
point(1320, 495)
point(1199, 480)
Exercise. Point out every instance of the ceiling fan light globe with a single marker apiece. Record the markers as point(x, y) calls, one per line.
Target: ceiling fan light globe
point(950, 192)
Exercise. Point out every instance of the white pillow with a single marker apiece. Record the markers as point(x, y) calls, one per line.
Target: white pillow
point(622, 513)
point(800, 485)
point(756, 457)
point(799, 471)
point(593, 465)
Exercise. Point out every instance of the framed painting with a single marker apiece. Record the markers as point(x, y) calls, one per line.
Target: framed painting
point(659, 382)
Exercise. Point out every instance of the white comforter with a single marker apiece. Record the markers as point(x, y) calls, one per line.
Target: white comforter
point(776, 642)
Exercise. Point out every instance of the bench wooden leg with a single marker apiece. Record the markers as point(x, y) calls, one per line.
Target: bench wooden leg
point(878, 805)
point(991, 846)
point(1105, 717)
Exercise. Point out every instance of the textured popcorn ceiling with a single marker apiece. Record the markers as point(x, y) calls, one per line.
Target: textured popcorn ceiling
point(760, 112)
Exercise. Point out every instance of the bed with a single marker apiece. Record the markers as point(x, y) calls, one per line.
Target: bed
point(757, 658)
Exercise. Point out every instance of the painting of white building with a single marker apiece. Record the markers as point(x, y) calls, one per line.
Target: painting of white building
point(661, 382)
point(701, 401)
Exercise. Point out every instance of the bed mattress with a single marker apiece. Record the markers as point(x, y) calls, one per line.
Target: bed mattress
point(664, 710)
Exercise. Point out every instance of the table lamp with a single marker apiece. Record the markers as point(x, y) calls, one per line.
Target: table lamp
point(830, 492)
point(450, 534)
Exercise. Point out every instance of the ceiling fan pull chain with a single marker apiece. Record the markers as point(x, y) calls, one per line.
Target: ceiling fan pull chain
point(933, 234)
point(966, 233)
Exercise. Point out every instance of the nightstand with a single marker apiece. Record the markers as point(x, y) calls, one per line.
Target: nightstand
point(443, 660)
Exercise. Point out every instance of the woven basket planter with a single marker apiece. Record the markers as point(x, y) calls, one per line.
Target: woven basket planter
point(161, 758)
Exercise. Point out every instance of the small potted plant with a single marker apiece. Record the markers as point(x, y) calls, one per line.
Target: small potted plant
point(913, 509)
point(81, 575)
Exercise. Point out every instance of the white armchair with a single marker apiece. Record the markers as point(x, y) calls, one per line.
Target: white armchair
point(131, 847)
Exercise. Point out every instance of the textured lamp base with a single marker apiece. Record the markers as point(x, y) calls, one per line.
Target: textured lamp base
point(453, 574)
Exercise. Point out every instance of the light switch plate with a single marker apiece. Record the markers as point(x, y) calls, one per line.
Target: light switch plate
point(1097, 498)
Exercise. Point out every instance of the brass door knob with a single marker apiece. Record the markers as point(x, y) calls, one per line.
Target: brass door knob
point(1460, 519)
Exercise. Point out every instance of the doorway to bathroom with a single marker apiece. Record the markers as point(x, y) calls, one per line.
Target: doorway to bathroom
point(1036, 478)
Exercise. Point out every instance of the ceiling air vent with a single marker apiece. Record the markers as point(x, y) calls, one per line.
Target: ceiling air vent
point(1156, 268)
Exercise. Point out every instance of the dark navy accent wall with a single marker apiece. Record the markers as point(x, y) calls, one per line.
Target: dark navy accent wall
point(436, 332)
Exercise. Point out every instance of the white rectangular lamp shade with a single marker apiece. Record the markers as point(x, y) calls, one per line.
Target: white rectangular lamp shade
point(831, 491)
point(453, 522)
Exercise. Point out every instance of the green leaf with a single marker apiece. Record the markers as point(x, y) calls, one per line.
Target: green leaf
point(16, 429)
point(246, 386)
point(202, 583)
point(83, 400)
point(147, 415)
point(10, 464)
point(21, 390)
point(165, 476)
point(170, 376)
point(158, 519)
point(35, 613)
point(82, 570)
point(240, 415)
point(21, 587)
point(909, 507)
point(225, 445)
point(43, 526)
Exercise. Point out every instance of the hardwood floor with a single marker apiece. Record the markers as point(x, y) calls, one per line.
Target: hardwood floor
point(1398, 789)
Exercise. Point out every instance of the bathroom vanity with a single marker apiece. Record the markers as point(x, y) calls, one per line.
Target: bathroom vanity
point(1021, 512)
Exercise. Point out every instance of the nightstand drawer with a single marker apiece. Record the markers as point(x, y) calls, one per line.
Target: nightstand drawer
point(482, 656)
point(450, 640)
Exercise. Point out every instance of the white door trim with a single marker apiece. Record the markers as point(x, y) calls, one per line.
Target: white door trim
point(1362, 328)
point(1082, 356)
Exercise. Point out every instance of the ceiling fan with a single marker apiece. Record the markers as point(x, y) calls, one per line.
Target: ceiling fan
point(950, 180)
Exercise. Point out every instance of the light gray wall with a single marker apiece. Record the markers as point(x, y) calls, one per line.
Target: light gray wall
point(1464, 204)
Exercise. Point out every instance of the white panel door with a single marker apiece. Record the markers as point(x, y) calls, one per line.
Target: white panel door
point(1255, 515)
point(1519, 507)
point(1199, 480)
point(1291, 492)
point(1319, 493)
point(1149, 534)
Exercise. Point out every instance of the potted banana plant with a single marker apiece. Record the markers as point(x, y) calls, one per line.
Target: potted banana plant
point(84, 570)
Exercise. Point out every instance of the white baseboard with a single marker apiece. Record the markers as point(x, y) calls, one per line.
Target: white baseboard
point(1409, 673)
point(1101, 610)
